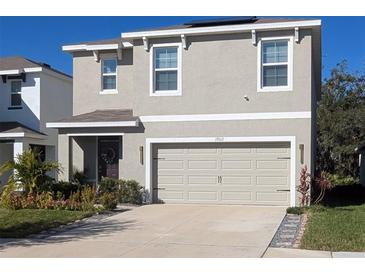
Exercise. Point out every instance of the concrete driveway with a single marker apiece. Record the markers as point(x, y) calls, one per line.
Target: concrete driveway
point(161, 231)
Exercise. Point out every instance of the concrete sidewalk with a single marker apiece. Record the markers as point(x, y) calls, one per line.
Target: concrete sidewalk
point(272, 252)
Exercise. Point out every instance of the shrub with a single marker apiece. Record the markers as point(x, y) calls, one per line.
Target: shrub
point(66, 188)
point(337, 180)
point(296, 210)
point(79, 177)
point(31, 172)
point(109, 201)
point(44, 200)
point(88, 197)
point(7, 193)
point(323, 184)
point(130, 192)
point(108, 185)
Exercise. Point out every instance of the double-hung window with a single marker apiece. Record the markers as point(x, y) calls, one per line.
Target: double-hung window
point(16, 94)
point(166, 78)
point(109, 75)
point(275, 65)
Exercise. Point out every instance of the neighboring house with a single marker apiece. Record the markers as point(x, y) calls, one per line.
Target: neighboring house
point(215, 111)
point(31, 94)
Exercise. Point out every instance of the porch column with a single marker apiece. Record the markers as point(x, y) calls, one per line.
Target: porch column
point(64, 156)
point(18, 148)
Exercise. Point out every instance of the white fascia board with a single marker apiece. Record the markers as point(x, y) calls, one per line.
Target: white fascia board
point(37, 69)
point(19, 71)
point(71, 48)
point(84, 47)
point(10, 72)
point(95, 134)
point(227, 117)
point(102, 47)
point(222, 29)
point(92, 124)
point(12, 135)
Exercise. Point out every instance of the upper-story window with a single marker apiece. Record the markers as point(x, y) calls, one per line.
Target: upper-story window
point(109, 75)
point(275, 63)
point(16, 94)
point(166, 70)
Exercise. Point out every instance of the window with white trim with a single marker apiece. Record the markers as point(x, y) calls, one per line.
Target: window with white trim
point(166, 70)
point(16, 93)
point(109, 74)
point(275, 65)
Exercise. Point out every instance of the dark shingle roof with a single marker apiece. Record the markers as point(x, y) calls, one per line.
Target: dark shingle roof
point(110, 115)
point(257, 21)
point(18, 62)
point(16, 127)
point(186, 26)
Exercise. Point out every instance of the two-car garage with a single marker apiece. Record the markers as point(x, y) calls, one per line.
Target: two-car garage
point(252, 173)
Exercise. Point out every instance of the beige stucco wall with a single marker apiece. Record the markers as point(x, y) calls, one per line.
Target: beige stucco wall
point(217, 72)
point(131, 168)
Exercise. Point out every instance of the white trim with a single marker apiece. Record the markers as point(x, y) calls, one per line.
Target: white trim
point(12, 135)
point(219, 139)
point(227, 117)
point(145, 43)
point(17, 107)
point(74, 48)
point(253, 37)
point(92, 124)
point(102, 47)
point(177, 92)
point(288, 87)
point(19, 71)
point(21, 135)
point(10, 72)
point(183, 41)
point(37, 69)
point(296, 35)
point(108, 91)
point(222, 29)
point(85, 47)
point(94, 134)
point(104, 57)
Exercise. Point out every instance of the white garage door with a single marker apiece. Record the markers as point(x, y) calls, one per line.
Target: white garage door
point(234, 173)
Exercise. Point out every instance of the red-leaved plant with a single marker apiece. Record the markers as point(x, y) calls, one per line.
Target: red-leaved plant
point(304, 186)
point(323, 184)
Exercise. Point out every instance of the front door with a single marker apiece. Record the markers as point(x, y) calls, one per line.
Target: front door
point(108, 157)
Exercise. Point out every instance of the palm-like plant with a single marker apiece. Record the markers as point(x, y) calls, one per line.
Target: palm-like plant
point(29, 171)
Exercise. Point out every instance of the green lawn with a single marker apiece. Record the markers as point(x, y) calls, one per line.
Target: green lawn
point(20, 223)
point(335, 229)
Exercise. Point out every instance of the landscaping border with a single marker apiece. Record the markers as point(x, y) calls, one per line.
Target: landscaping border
point(290, 231)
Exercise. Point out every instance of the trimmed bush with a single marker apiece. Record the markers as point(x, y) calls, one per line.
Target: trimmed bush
point(296, 210)
point(66, 188)
point(109, 201)
point(108, 185)
point(130, 192)
point(126, 191)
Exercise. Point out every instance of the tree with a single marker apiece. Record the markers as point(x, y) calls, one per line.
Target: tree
point(30, 171)
point(341, 122)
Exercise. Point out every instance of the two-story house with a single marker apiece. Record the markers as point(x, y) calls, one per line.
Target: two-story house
point(211, 111)
point(31, 94)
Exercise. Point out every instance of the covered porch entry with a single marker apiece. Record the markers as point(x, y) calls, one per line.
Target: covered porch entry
point(16, 138)
point(92, 143)
point(96, 156)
